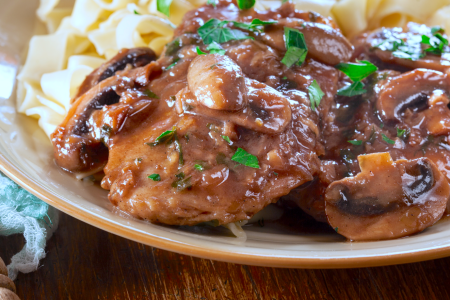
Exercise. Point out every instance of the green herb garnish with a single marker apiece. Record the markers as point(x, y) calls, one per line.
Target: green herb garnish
point(243, 157)
point(403, 133)
point(212, 2)
point(357, 71)
point(296, 48)
point(245, 4)
point(150, 94)
point(200, 52)
point(315, 94)
point(136, 13)
point(215, 31)
point(163, 6)
point(387, 140)
point(166, 136)
point(354, 89)
point(355, 142)
point(213, 48)
point(154, 177)
point(347, 155)
point(256, 25)
point(181, 183)
point(226, 138)
point(172, 64)
point(199, 167)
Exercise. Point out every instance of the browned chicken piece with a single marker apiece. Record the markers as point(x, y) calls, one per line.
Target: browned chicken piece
point(193, 138)
point(387, 199)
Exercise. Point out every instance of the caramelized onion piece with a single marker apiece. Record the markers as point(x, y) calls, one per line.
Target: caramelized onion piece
point(217, 82)
point(325, 44)
point(387, 199)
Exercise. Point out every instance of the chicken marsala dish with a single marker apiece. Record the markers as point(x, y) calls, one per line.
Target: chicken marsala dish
point(246, 108)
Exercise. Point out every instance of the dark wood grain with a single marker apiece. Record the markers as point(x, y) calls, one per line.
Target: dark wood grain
point(84, 262)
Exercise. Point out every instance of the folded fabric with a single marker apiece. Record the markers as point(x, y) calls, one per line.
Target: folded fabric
point(21, 212)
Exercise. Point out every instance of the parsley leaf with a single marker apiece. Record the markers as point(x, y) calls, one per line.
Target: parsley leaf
point(182, 183)
point(243, 157)
point(255, 25)
point(355, 142)
point(387, 140)
point(164, 137)
point(226, 138)
point(315, 94)
point(400, 132)
point(212, 2)
point(154, 177)
point(199, 167)
point(163, 6)
point(172, 64)
point(354, 89)
point(245, 4)
point(215, 31)
point(403, 133)
point(436, 29)
point(150, 94)
point(296, 48)
point(200, 52)
point(215, 48)
point(357, 71)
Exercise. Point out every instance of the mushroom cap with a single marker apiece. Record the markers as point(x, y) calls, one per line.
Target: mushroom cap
point(7, 283)
point(6, 294)
point(387, 199)
point(3, 269)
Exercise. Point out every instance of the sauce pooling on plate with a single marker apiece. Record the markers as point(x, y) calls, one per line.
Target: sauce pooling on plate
point(246, 107)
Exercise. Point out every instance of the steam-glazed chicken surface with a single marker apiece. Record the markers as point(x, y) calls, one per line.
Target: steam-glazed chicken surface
point(247, 107)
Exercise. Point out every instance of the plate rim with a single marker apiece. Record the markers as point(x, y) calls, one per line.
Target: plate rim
point(26, 182)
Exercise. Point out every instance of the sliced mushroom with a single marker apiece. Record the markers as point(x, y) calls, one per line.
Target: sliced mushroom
point(267, 110)
point(136, 57)
point(324, 43)
point(387, 199)
point(377, 44)
point(80, 141)
point(421, 92)
point(217, 82)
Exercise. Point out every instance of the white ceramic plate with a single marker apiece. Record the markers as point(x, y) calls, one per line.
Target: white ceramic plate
point(26, 157)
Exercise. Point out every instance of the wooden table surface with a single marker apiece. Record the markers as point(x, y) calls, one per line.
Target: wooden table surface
point(84, 262)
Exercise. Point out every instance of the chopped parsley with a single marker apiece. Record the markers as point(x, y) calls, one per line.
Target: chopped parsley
point(436, 43)
point(150, 94)
point(136, 13)
point(226, 138)
point(199, 167)
point(296, 48)
point(212, 2)
point(200, 52)
point(172, 64)
point(245, 4)
point(154, 177)
point(214, 30)
point(315, 94)
point(166, 136)
point(387, 140)
point(275, 173)
point(213, 48)
point(163, 6)
point(347, 155)
point(243, 157)
point(354, 89)
point(255, 26)
point(355, 142)
point(336, 229)
point(403, 133)
point(356, 72)
point(181, 183)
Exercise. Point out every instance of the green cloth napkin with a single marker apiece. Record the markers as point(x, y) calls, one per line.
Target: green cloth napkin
point(21, 212)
